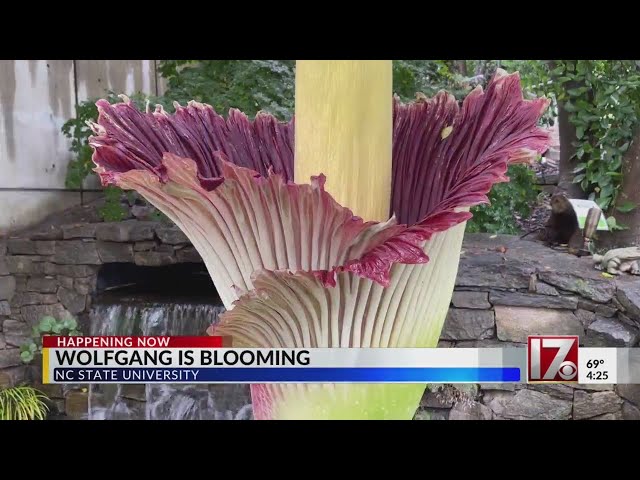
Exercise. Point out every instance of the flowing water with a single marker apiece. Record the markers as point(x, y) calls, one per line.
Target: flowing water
point(149, 316)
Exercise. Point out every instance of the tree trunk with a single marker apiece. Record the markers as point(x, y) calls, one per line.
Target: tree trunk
point(461, 67)
point(567, 164)
point(629, 192)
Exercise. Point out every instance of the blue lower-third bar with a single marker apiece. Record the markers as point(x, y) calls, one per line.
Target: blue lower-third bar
point(289, 375)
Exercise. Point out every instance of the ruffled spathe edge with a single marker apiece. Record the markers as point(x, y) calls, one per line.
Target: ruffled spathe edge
point(446, 159)
point(126, 138)
point(447, 156)
point(367, 249)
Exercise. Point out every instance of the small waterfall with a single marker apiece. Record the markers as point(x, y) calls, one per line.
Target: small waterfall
point(135, 316)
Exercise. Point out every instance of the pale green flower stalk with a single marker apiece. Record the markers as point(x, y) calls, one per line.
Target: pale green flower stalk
point(296, 268)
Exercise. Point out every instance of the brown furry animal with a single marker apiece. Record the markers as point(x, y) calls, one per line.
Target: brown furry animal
point(562, 227)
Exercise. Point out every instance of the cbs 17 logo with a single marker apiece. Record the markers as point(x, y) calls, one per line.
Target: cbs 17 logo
point(552, 358)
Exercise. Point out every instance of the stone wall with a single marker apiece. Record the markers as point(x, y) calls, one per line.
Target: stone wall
point(506, 289)
point(52, 270)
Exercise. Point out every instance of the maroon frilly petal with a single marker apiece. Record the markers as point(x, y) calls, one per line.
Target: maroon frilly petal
point(128, 139)
point(446, 158)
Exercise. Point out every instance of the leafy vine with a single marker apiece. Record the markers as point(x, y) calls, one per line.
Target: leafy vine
point(604, 110)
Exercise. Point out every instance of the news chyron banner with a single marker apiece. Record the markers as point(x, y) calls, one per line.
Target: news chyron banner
point(117, 359)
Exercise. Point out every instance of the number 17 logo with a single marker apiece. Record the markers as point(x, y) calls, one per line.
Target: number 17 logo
point(552, 358)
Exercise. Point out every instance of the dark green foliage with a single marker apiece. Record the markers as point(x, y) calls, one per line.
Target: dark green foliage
point(604, 110)
point(113, 209)
point(507, 199)
point(78, 131)
point(431, 76)
point(427, 77)
point(248, 85)
point(269, 85)
point(602, 98)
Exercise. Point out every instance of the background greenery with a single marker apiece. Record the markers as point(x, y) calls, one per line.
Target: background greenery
point(602, 99)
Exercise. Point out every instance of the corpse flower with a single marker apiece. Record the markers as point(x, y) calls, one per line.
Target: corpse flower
point(347, 234)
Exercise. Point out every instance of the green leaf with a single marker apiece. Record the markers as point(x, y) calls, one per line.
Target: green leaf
point(626, 207)
point(614, 225)
point(603, 202)
point(607, 190)
point(26, 356)
point(615, 165)
point(578, 178)
point(46, 324)
point(579, 132)
point(69, 324)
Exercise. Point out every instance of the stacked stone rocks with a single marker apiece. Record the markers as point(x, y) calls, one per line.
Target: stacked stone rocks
point(53, 271)
point(506, 289)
